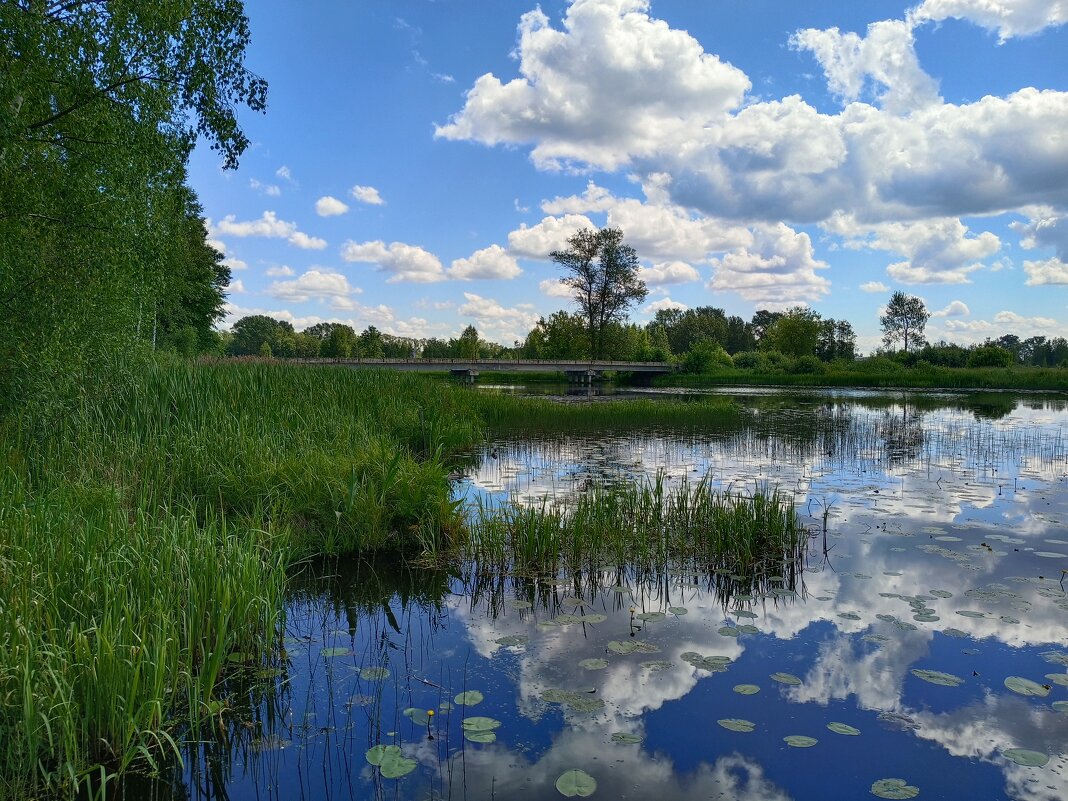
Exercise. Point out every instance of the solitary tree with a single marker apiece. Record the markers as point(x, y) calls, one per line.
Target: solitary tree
point(603, 273)
point(905, 319)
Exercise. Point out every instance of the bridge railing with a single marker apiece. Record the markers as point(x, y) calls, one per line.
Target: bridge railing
point(558, 363)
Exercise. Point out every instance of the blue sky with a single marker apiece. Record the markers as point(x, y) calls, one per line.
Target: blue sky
point(420, 158)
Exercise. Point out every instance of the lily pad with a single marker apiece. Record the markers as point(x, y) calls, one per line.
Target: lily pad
point(746, 689)
point(469, 698)
point(374, 673)
point(478, 723)
point(894, 788)
point(737, 724)
point(785, 678)
point(729, 631)
point(745, 613)
point(595, 617)
point(622, 646)
point(843, 728)
point(329, 653)
point(390, 760)
point(649, 617)
point(566, 620)
point(678, 610)
point(849, 616)
point(593, 664)
point(1058, 678)
point(576, 783)
point(419, 717)
point(1029, 759)
point(748, 629)
point(1060, 706)
point(574, 602)
point(580, 702)
point(1026, 687)
point(937, 677)
point(800, 741)
point(480, 736)
point(657, 664)
point(513, 639)
point(625, 738)
point(714, 664)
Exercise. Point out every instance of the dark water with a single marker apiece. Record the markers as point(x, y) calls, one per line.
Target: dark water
point(940, 537)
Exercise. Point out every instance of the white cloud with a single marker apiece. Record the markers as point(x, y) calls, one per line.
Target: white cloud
point(235, 263)
point(886, 56)
point(554, 289)
point(685, 115)
point(1004, 322)
point(779, 269)
point(282, 271)
point(315, 284)
point(367, 194)
point(284, 173)
point(218, 244)
point(552, 233)
point(957, 308)
point(496, 321)
point(329, 206)
point(1050, 271)
point(937, 251)
point(1045, 229)
point(269, 227)
point(491, 262)
point(874, 286)
point(236, 287)
point(664, 303)
point(1008, 17)
point(406, 262)
point(673, 272)
point(270, 190)
point(612, 61)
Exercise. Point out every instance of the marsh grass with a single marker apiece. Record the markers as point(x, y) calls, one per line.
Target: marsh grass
point(651, 526)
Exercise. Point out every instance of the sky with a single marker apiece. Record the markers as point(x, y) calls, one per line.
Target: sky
point(419, 159)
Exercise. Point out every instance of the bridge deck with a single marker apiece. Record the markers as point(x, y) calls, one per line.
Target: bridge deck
point(498, 365)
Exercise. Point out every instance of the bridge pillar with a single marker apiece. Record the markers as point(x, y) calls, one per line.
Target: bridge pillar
point(466, 375)
point(585, 377)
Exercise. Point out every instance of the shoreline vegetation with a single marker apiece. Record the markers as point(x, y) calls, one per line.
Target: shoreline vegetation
point(151, 523)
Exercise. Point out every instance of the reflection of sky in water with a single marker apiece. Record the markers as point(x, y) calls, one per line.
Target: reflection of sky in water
point(955, 496)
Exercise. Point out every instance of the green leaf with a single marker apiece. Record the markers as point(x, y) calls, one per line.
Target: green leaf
point(746, 689)
point(478, 723)
point(1024, 686)
point(785, 678)
point(469, 698)
point(737, 724)
point(800, 741)
point(374, 673)
point(894, 788)
point(937, 677)
point(1030, 759)
point(843, 728)
point(576, 783)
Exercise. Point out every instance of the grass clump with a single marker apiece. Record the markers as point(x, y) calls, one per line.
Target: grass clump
point(646, 526)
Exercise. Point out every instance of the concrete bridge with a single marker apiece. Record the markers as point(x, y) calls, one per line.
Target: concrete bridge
point(470, 369)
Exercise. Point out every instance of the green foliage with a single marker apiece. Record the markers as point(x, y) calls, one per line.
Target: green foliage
point(904, 320)
point(990, 356)
point(706, 356)
point(795, 333)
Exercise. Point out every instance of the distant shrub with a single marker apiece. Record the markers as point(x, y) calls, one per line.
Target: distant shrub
point(808, 365)
point(750, 360)
point(990, 356)
point(706, 356)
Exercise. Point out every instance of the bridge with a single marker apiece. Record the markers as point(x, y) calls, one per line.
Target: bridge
point(470, 369)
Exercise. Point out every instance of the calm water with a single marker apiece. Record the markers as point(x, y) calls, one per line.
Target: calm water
point(945, 540)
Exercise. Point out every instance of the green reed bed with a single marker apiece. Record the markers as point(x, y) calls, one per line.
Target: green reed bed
point(645, 526)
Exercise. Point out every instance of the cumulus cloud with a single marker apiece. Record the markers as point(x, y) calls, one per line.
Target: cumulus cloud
point(957, 308)
point(235, 263)
point(1044, 230)
point(404, 262)
point(1050, 271)
point(316, 284)
point(497, 321)
point(554, 289)
point(886, 56)
point(778, 270)
point(367, 194)
point(328, 206)
point(236, 287)
point(269, 227)
point(874, 286)
point(281, 271)
point(673, 272)
point(937, 251)
point(685, 115)
point(610, 61)
point(284, 173)
point(1009, 18)
point(491, 262)
point(972, 331)
point(664, 303)
point(271, 190)
point(552, 233)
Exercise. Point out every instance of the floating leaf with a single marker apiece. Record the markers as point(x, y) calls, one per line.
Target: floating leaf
point(332, 652)
point(746, 689)
point(951, 632)
point(480, 736)
point(650, 616)
point(781, 591)
point(745, 613)
point(567, 619)
point(1058, 678)
point(390, 760)
point(677, 610)
point(657, 664)
point(715, 664)
point(937, 677)
point(729, 631)
point(748, 630)
point(1026, 687)
point(419, 716)
point(737, 724)
point(593, 664)
point(513, 639)
point(843, 728)
point(849, 616)
point(800, 741)
point(1060, 706)
point(445, 706)
point(374, 673)
point(574, 602)
point(622, 646)
point(580, 702)
point(1030, 759)
point(596, 617)
point(469, 698)
point(576, 783)
point(625, 738)
point(970, 613)
point(477, 723)
point(894, 788)
point(785, 678)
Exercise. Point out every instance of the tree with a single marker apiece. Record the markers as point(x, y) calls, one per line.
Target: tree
point(795, 333)
point(467, 344)
point(252, 332)
point(603, 273)
point(905, 319)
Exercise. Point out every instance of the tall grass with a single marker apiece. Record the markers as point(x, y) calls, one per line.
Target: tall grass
point(646, 527)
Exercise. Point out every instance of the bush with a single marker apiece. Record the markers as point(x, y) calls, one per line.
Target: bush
point(705, 356)
point(809, 365)
point(990, 356)
point(750, 360)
